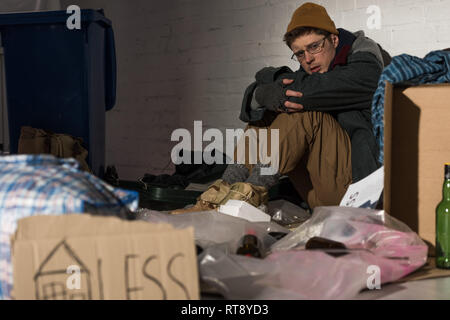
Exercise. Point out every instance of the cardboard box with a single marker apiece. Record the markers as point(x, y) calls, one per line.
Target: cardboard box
point(91, 257)
point(416, 148)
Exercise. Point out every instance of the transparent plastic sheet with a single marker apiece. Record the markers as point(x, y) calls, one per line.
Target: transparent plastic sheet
point(285, 275)
point(287, 214)
point(372, 238)
point(355, 227)
point(212, 228)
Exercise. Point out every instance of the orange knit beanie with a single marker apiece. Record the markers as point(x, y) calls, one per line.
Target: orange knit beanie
point(312, 15)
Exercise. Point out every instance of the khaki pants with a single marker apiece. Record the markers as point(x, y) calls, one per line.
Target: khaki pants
point(314, 151)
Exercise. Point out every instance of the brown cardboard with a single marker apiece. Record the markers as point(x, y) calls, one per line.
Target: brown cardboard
point(415, 149)
point(116, 259)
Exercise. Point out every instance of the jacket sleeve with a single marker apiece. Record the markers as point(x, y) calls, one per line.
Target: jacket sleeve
point(346, 87)
point(248, 114)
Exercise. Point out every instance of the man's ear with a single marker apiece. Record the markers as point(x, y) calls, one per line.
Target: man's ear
point(335, 40)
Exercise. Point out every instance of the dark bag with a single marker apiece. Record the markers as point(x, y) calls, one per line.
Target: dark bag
point(39, 141)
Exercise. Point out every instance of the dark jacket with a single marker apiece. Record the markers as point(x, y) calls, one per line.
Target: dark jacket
point(345, 92)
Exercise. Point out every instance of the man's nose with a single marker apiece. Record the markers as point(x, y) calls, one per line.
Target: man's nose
point(309, 57)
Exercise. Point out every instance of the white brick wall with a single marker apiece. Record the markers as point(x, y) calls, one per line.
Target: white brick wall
point(186, 60)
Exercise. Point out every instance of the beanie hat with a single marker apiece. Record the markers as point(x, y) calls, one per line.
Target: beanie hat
point(312, 15)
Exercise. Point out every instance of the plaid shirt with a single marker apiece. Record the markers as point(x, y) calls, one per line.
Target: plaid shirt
point(434, 68)
point(42, 184)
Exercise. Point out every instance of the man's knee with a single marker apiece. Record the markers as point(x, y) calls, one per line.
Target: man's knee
point(308, 119)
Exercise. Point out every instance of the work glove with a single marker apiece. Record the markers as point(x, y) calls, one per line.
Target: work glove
point(272, 96)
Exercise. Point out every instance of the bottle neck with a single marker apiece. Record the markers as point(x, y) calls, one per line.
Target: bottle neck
point(446, 190)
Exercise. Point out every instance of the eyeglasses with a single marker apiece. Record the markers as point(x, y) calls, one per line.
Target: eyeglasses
point(313, 48)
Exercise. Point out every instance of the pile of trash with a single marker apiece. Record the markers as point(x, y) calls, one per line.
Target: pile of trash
point(242, 252)
point(332, 255)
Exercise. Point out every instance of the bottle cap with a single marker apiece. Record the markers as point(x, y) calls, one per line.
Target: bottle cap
point(447, 171)
point(250, 239)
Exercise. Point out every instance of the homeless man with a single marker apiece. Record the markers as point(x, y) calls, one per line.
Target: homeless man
point(322, 112)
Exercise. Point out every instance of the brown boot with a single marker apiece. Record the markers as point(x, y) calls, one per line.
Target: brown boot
point(244, 191)
point(208, 200)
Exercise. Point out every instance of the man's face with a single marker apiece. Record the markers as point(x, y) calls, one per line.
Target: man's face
point(316, 62)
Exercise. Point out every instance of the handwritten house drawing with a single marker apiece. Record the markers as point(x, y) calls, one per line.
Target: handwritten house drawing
point(51, 280)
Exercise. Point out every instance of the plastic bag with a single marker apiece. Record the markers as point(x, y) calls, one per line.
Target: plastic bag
point(372, 237)
point(284, 275)
point(355, 227)
point(213, 228)
point(373, 240)
point(287, 214)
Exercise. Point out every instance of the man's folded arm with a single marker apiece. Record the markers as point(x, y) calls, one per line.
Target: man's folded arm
point(346, 87)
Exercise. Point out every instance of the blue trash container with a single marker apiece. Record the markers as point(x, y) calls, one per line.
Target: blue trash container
point(59, 79)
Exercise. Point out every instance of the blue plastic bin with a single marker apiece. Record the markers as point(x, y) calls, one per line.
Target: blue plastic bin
point(59, 79)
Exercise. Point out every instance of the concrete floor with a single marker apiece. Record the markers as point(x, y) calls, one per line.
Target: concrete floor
point(430, 289)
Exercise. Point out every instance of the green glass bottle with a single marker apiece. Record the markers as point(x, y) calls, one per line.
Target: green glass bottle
point(443, 224)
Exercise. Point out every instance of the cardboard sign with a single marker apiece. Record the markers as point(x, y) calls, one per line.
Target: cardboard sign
point(90, 257)
point(365, 193)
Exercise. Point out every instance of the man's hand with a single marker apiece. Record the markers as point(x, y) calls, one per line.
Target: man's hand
point(291, 106)
point(273, 96)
